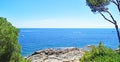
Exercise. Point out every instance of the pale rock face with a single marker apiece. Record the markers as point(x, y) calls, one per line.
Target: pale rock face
point(57, 55)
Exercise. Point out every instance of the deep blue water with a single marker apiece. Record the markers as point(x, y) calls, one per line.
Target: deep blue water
point(33, 39)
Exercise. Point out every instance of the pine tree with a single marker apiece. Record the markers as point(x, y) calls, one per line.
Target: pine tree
point(10, 50)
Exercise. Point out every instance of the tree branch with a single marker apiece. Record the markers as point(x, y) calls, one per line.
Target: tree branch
point(111, 16)
point(106, 18)
point(117, 3)
point(114, 2)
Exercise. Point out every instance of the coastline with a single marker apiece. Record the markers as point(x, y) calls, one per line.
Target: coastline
point(71, 54)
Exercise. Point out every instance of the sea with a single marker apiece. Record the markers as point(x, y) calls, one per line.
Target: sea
point(34, 39)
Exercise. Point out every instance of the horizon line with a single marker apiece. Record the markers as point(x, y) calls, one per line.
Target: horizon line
point(71, 28)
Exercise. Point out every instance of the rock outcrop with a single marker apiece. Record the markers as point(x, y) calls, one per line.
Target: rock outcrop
point(57, 55)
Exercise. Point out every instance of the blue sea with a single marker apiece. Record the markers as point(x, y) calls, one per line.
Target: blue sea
point(33, 39)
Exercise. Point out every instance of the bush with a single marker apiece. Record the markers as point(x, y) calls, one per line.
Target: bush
point(10, 50)
point(101, 53)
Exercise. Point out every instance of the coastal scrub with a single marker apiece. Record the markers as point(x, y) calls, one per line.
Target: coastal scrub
point(10, 49)
point(101, 53)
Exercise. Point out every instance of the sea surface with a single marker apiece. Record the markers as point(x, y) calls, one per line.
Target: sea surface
point(33, 39)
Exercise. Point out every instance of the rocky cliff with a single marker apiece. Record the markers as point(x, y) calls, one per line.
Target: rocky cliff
point(57, 55)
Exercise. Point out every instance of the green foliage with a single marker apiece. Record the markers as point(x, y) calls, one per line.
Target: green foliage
point(97, 2)
point(98, 5)
point(101, 54)
point(10, 50)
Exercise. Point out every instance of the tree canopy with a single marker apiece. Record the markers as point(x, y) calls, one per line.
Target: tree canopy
point(10, 50)
point(100, 6)
point(97, 5)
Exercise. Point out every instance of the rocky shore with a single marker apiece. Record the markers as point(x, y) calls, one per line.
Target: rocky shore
point(57, 55)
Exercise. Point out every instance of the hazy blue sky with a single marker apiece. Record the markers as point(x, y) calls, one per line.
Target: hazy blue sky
point(52, 14)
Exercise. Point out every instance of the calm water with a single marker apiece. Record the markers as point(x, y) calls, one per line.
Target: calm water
point(33, 39)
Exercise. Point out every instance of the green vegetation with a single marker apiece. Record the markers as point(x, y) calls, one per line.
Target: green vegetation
point(101, 53)
point(100, 6)
point(97, 3)
point(10, 50)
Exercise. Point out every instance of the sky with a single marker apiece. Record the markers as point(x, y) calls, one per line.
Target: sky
point(53, 14)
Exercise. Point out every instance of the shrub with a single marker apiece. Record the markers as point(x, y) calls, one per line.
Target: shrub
point(10, 50)
point(101, 53)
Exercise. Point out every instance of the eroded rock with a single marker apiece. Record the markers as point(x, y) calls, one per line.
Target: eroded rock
point(57, 55)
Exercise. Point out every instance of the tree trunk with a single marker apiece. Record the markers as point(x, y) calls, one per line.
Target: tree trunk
point(117, 30)
point(113, 22)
